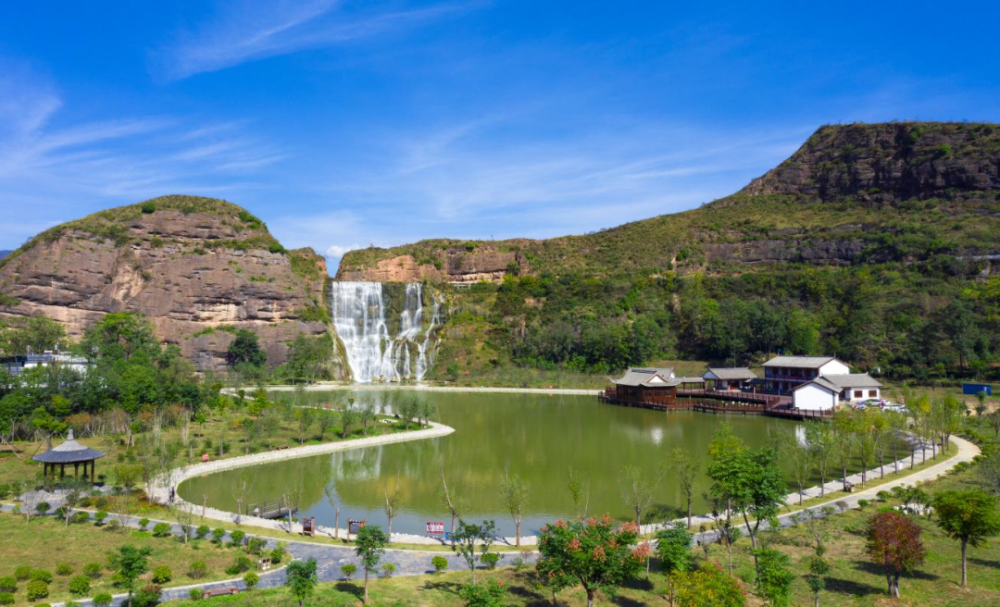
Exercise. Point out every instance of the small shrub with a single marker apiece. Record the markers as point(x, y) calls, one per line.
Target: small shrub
point(162, 575)
point(197, 570)
point(202, 531)
point(63, 569)
point(100, 517)
point(489, 594)
point(255, 545)
point(8, 584)
point(388, 569)
point(236, 538)
point(439, 563)
point(148, 208)
point(196, 594)
point(490, 559)
point(251, 579)
point(883, 496)
point(862, 504)
point(92, 570)
point(79, 586)
point(518, 563)
point(80, 517)
point(348, 570)
point(143, 523)
point(101, 503)
point(147, 597)
point(277, 555)
point(841, 505)
point(41, 575)
point(85, 503)
point(217, 535)
point(22, 573)
point(241, 564)
point(42, 507)
point(103, 600)
point(276, 248)
point(161, 530)
point(6, 598)
point(37, 589)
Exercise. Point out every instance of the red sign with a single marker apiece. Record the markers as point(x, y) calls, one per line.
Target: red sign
point(435, 527)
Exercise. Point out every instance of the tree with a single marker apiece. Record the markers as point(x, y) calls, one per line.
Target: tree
point(775, 577)
point(988, 471)
point(330, 491)
point(489, 594)
point(324, 419)
point(685, 468)
point(450, 502)
point(348, 419)
point(393, 498)
point(514, 495)
point(673, 548)
point(894, 544)
point(130, 563)
point(968, 516)
point(305, 417)
point(818, 569)
point(707, 586)
point(994, 420)
point(245, 350)
point(470, 535)
point(637, 492)
point(369, 547)
point(300, 577)
point(579, 491)
point(242, 488)
point(593, 552)
point(844, 442)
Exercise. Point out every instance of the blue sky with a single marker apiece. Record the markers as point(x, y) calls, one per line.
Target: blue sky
point(345, 124)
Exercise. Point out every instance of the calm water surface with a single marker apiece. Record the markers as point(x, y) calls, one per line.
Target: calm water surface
point(539, 437)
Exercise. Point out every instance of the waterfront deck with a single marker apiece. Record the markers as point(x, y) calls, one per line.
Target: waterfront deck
point(722, 402)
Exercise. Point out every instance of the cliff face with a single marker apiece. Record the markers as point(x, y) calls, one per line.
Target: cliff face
point(449, 262)
point(889, 162)
point(189, 264)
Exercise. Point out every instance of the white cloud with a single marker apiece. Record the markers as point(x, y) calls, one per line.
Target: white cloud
point(255, 29)
point(339, 250)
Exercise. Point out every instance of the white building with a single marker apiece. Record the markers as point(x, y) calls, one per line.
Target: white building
point(783, 374)
point(824, 393)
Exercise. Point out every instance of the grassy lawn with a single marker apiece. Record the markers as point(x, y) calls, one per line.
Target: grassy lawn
point(45, 543)
point(221, 436)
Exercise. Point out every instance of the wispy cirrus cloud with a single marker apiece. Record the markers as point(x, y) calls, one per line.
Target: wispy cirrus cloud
point(250, 30)
point(51, 171)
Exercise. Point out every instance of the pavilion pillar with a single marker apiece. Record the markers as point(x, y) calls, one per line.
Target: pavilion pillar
point(93, 463)
point(62, 471)
point(76, 469)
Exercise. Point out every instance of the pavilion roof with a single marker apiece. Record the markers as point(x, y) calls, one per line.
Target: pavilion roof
point(70, 452)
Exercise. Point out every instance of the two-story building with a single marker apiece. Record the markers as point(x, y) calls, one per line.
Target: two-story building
point(826, 391)
point(783, 374)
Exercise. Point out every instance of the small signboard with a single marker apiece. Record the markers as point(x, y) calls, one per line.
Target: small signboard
point(974, 389)
point(435, 528)
point(449, 536)
point(309, 526)
point(353, 526)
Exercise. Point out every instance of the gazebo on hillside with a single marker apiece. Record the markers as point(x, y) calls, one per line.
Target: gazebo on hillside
point(70, 452)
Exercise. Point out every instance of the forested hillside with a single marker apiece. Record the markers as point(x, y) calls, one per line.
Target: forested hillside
point(877, 243)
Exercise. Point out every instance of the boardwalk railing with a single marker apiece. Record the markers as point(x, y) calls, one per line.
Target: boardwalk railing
point(720, 402)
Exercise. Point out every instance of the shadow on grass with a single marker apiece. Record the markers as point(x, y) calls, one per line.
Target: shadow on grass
point(448, 587)
point(639, 583)
point(852, 588)
point(874, 569)
point(358, 590)
point(985, 562)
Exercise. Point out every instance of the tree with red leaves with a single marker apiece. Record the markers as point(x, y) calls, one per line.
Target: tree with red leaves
point(894, 543)
point(594, 553)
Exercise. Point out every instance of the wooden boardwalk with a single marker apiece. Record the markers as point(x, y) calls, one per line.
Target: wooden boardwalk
point(725, 403)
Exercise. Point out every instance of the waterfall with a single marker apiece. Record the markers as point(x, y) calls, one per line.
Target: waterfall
point(378, 347)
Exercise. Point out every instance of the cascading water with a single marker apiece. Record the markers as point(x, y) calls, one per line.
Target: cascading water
point(362, 316)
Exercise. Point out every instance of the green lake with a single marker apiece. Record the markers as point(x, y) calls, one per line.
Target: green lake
point(539, 437)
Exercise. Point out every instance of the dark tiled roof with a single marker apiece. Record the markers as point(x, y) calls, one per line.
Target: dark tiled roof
point(68, 453)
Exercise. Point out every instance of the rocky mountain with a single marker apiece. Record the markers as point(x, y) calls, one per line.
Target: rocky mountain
point(851, 194)
point(197, 267)
point(879, 243)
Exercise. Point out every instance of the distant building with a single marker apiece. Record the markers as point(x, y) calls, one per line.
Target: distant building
point(783, 374)
point(15, 365)
point(650, 386)
point(827, 391)
point(729, 378)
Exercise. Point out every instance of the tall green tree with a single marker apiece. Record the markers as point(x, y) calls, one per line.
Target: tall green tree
point(130, 563)
point(685, 468)
point(514, 495)
point(301, 578)
point(968, 516)
point(369, 546)
point(245, 350)
point(775, 581)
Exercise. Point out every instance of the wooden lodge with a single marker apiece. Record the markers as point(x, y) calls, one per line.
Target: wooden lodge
point(654, 387)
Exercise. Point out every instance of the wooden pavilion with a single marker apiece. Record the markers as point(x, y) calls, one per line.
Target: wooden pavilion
point(70, 452)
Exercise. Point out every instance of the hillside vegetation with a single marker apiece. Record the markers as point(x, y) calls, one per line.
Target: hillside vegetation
point(875, 243)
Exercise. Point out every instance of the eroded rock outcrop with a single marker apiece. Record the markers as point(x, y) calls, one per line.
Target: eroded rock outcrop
point(191, 265)
point(455, 264)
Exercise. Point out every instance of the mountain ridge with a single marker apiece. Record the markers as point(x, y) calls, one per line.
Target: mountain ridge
point(191, 264)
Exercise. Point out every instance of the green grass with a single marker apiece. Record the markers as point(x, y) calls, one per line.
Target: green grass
point(45, 542)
